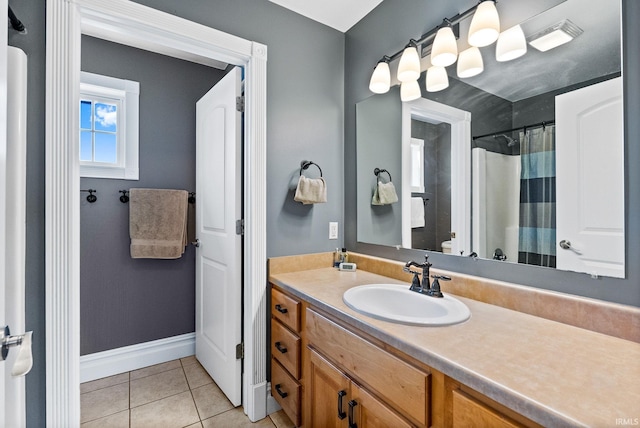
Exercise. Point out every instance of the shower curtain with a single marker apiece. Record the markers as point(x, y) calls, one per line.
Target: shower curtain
point(537, 232)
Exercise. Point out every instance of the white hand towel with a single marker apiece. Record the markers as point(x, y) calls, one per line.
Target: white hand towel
point(417, 212)
point(311, 190)
point(384, 194)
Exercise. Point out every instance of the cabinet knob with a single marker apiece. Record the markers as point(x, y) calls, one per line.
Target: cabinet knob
point(280, 309)
point(341, 414)
point(352, 423)
point(280, 348)
point(280, 392)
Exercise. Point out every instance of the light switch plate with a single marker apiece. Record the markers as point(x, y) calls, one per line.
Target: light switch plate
point(333, 230)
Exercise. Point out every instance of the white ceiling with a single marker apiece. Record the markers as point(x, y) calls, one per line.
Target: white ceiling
point(338, 14)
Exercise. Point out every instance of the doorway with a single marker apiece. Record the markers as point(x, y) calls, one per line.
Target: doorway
point(139, 26)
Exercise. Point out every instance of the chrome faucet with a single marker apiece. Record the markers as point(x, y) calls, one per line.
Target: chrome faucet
point(415, 284)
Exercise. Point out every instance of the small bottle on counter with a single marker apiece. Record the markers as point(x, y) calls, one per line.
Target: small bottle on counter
point(336, 257)
point(344, 256)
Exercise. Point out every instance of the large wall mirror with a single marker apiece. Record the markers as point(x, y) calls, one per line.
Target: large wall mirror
point(520, 164)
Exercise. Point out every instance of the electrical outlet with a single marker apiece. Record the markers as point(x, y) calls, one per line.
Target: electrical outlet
point(333, 230)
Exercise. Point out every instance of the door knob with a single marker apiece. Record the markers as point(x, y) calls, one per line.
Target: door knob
point(566, 245)
point(24, 361)
point(196, 243)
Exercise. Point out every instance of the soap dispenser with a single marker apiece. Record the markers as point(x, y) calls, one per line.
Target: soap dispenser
point(337, 255)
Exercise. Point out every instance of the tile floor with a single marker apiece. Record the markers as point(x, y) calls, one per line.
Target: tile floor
point(179, 393)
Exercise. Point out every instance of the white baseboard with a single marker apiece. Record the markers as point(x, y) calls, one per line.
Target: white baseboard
point(121, 360)
point(272, 405)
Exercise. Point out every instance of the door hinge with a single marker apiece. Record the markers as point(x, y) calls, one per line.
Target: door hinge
point(240, 104)
point(240, 351)
point(240, 227)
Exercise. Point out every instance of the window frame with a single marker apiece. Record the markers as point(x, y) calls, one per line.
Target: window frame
point(124, 93)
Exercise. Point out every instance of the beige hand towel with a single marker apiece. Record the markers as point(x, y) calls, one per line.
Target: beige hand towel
point(384, 194)
point(158, 223)
point(311, 190)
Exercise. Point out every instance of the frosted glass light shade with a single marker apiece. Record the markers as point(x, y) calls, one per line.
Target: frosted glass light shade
point(409, 67)
point(485, 25)
point(445, 49)
point(437, 78)
point(470, 62)
point(511, 44)
point(410, 91)
point(380, 79)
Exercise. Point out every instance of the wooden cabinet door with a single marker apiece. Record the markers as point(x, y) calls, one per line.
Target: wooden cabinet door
point(327, 394)
point(369, 412)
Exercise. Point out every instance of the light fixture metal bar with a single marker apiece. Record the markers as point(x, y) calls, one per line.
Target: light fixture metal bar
point(429, 36)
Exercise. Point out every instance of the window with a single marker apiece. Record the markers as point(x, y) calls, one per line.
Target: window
point(417, 165)
point(108, 127)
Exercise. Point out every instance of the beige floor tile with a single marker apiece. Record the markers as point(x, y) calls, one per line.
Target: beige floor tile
point(197, 376)
point(187, 361)
point(237, 419)
point(119, 420)
point(210, 400)
point(155, 387)
point(104, 382)
point(158, 368)
point(281, 420)
point(198, 425)
point(172, 412)
point(104, 402)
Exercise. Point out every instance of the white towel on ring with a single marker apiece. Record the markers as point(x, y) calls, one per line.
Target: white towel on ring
point(311, 190)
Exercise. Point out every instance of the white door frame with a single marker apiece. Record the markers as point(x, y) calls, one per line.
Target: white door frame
point(460, 121)
point(133, 24)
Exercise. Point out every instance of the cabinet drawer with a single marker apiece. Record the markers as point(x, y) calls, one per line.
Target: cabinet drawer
point(398, 383)
point(286, 391)
point(285, 347)
point(286, 309)
point(470, 413)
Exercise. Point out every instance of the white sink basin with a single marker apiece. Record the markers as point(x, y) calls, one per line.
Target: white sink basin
point(396, 303)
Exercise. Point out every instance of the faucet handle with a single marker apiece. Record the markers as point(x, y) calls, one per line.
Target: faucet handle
point(435, 291)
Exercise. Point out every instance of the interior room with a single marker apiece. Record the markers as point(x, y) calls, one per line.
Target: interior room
point(375, 181)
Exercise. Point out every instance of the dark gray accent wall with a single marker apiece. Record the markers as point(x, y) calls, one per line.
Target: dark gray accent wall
point(305, 117)
point(125, 301)
point(404, 19)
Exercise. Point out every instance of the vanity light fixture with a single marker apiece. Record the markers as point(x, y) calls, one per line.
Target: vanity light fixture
point(437, 78)
point(445, 48)
point(485, 25)
point(381, 77)
point(484, 30)
point(409, 67)
point(554, 36)
point(470, 63)
point(511, 44)
point(410, 91)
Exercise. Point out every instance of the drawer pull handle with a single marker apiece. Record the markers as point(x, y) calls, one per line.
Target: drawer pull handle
point(352, 404)
point(280, 309)
point(280, 348)
point(341, 414)
point(280, 392)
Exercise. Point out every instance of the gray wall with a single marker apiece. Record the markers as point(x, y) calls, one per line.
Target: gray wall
point(403, 19)
point(305, 114)
point(379, 122)
point(125, 301)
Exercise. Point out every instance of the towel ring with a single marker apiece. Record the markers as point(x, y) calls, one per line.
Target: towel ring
point(378, 171)
point(125, 196)
point(306, 164)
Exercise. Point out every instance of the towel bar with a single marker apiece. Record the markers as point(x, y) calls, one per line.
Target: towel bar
point(125, 197)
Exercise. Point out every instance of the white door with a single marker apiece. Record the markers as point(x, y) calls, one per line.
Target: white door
point(590, 180)
point(13, 90)
point(219, 255)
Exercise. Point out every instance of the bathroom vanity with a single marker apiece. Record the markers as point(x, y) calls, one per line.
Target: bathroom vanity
point(332, 366)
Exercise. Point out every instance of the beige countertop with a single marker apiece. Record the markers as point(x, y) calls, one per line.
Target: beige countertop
point(552, 373)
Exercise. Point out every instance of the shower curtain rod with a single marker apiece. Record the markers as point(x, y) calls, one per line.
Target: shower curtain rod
point(535, 125)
